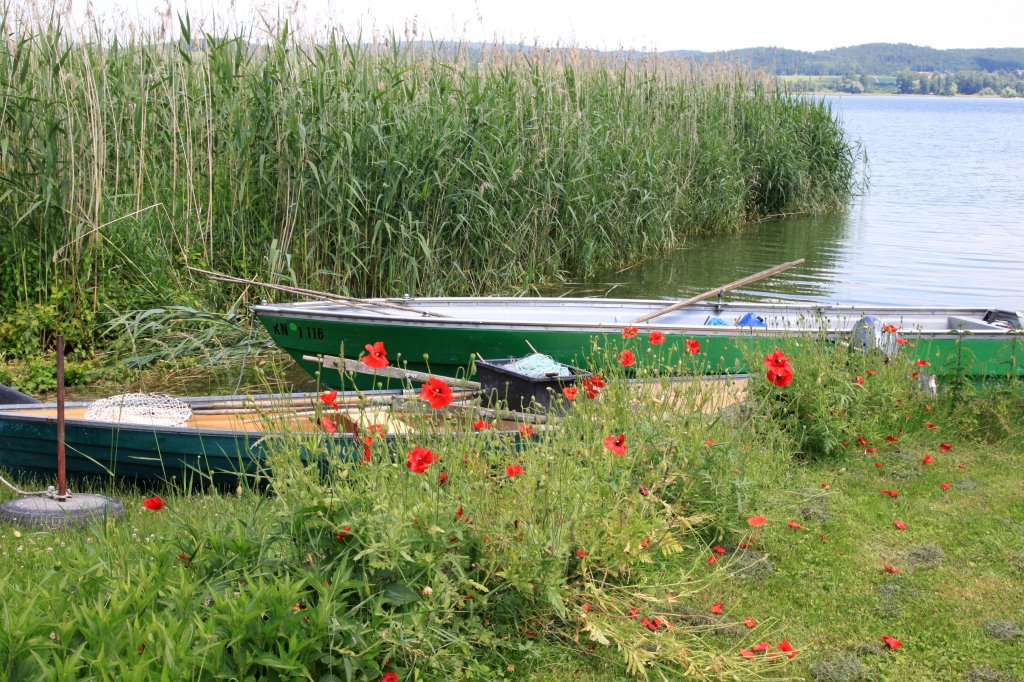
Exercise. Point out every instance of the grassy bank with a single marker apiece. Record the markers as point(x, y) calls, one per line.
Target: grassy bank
point(367, 168)
point(597, 547)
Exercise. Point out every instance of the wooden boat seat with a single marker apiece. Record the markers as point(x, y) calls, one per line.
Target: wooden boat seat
point(956, 322)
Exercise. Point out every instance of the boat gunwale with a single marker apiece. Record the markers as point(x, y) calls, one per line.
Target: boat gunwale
point(18, 412)
point(336, 312)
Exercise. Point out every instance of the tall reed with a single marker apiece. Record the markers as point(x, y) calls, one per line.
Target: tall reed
point(372, 168)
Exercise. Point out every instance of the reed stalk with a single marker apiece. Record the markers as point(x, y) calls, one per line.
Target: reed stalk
point(369, 169)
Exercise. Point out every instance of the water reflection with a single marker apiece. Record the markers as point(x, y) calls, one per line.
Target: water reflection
point(941, 225)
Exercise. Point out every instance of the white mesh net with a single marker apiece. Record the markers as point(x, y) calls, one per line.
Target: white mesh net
point(152, 409)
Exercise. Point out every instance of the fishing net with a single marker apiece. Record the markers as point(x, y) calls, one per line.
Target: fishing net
point(151, 409)
point(539, 365)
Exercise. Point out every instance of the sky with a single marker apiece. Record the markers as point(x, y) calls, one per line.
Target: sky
point(660, 25)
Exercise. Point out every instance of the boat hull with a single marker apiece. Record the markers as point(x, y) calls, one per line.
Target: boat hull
point(447, 346)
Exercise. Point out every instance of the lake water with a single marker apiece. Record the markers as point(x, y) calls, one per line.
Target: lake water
point(942, 222)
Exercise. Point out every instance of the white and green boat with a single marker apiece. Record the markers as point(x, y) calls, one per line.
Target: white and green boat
point(444, 335)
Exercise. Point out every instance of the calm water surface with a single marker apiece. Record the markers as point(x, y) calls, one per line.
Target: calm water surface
point(942, 222)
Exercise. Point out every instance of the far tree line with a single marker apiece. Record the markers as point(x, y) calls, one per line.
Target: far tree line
point(907, 82)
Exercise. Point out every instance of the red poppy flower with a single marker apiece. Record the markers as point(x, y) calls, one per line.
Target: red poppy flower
point(899, 524)
point(718, 550)
point(904, 341)
point(928, 459)
point(871, 372)
point(862, 440)
point(871, 451)
point(629, 332)
point(437, 393)
point(587, 607)
point(756, 521)
point(761, 646)
point(569, 392)
point(787, 648)
point(633, 612)
point(389, 676)
point(582, 553)
point(709, 442)
point(592, 386)
point(712, 559)
point(458, 514)
point(376, 356)
point(781, 376)
point(878, 465)
point(481, 425)
point(329, 426)
point(826, 485)
point(154, 503)
point(185, 558)
point(514, 470)
point(419, 459)
point(945, 447)
point(776, 359)
point(750, 622)
point(961, 466)
point(644, 491)
point(342, 533)
point(627, 359)
point(794, 524)
point(716, 608)
point(890, 328)
point(921, 363)
point(616, 443)
point(656, 338)
point(747, 653)
point(692, 346)
point(945, 486)
point(892, 439)
point(890, 569)
point(915, 374)
point(330, 398)
point(890, 493)
point(367, 453)
point(891, 642)
point(443, 478)
point(526, 431)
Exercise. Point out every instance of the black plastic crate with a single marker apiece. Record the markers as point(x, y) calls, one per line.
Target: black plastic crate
point(523, 392)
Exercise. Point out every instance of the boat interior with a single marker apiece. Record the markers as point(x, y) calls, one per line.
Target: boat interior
point(620, 312)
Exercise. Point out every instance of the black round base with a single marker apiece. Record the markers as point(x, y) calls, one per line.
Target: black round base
point(43, 511)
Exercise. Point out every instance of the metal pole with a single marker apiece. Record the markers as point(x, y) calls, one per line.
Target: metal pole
point(62, 485)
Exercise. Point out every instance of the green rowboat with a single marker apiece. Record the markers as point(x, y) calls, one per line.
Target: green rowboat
point(444, 335)
point(225, 439)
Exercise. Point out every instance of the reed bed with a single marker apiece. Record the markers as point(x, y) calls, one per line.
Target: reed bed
point(375, 168)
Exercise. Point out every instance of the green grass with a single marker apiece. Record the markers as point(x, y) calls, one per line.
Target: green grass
point(491, 576)
point(367, 168)
point(835, 598)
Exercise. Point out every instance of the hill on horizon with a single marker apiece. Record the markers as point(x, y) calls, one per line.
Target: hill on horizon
point(870, 58)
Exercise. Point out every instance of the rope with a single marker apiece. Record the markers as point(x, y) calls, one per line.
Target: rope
point(19, 491)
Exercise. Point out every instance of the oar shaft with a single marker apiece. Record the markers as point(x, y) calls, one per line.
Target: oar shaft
point(361, 303)
point(334, 362)
point(714, 292)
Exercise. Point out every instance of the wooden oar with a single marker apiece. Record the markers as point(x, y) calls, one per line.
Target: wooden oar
point(360, 303)
point(714, 292)
point(334, 362)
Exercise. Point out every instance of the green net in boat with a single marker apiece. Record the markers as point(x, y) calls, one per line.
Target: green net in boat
point(538, 366)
